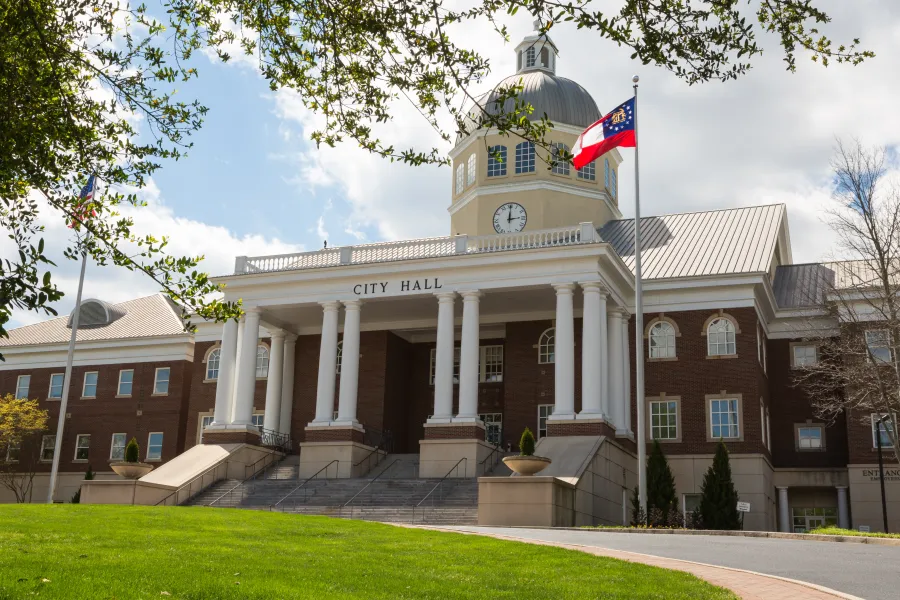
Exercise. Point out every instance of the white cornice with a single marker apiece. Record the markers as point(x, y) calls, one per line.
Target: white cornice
point(532, 185)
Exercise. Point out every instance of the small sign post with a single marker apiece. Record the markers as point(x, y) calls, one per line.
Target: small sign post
point(864, 529)
point(743, 507)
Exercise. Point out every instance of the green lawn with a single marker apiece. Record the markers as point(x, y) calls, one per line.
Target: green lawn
point(853, 532)
point(125, 552)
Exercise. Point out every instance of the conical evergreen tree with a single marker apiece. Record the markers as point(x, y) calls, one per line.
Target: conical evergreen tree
point(660, 485)
point(718, 505)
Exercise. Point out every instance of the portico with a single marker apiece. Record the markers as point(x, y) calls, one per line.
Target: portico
point(451, 292)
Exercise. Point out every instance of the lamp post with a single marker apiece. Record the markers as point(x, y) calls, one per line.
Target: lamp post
point(881, 471)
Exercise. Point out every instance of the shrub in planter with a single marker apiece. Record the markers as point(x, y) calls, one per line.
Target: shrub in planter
point(526, 443)
point(132, 452)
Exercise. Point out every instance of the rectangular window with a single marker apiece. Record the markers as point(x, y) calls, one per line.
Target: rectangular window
point(460, 178)
point(117, 446)
point(56, 386)
point(493, 427)
point(48, 447)
point(13, 451)
point(22, 384)
point(612, 184)
point(455, 366)
point(723, 418)
point(154, 446)
point(884, 430)
point(525, 158)
point(205, 421)
point(544, 411)
point(82, 446)
point(663, 420)
point(810, 437)
point(878, 342)
point(807, 519)
point(805, 355)
point(257, 420)
point(588, 172)
point(490, 364)
point(768, 431)
point(762, 420)
point(471, 167)
point(558, 150)
point(126, 382)
point(161, 382)
point(89, 389)
point(496, 161)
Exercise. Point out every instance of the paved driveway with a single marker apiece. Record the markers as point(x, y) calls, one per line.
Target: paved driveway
point(870, 572)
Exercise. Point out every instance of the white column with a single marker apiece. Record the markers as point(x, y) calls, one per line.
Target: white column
point(327, 364)
point(784, 511)
point(347, 400)
point(468, 358)
point(591, 380)
point(287, 384)
point(616, 369)
point(246, 370)
point(626, 379)
point(272, 416)
point(225, 381)
point(565, 353)
point(237, 361)
point(843, 507)
point(604, 357)
point(443, 359)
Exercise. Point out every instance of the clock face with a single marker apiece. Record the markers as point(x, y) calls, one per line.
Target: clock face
point(510, 218)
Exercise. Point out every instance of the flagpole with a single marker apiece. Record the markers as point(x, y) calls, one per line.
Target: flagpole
point(639, 320)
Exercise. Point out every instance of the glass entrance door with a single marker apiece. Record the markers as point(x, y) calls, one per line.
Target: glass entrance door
point(493, 427)
point(807, 519)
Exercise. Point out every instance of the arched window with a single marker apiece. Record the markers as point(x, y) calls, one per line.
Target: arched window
point(496, 161)
point(473, 162)
point(562, 166)
point(547, 347)
point(612, 184)
point(460, 178)
point(588, 172)
point(662, 340)
point(262, 361)
point(525, 157)
point(340, 355)
point(606, 172)
point(530, 56)
point(720, 337)
point(212, 364)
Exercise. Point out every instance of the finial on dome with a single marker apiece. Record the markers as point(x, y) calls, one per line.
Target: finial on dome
point(537, 24)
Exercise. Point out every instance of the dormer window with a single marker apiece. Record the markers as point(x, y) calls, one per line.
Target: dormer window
point(96, 313)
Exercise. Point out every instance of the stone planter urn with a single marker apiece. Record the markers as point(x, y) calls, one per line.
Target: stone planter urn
point(131, 470)
point(527, 465)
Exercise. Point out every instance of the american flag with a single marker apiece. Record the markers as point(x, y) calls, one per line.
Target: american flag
point(87, 192)
point(83, 209)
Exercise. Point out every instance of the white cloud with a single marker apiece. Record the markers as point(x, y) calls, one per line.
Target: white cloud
point(187, 237)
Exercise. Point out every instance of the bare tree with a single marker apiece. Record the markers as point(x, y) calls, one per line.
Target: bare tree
point(858, 366)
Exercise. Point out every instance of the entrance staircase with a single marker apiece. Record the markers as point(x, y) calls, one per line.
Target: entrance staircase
point(391, 492)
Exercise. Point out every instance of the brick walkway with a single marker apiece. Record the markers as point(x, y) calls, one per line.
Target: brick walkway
point(746, 584)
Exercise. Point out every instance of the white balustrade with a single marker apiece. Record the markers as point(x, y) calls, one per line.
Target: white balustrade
point(583, 233)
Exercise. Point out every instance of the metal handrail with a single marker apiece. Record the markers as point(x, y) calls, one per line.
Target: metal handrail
point(386, 437)
point(308, 479)
point(246, 479)
point(365, 487)
point(484, 469)
point(276, 439)
point(191, 482)
point(456, 466)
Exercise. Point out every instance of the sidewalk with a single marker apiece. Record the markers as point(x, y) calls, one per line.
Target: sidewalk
point(748, 585)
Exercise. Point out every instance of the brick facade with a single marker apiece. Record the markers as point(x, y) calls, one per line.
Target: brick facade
point(454, 432)
point(395, 395)
point(105, 414)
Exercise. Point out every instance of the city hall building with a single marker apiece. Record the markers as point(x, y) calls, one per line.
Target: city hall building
point(522, 317)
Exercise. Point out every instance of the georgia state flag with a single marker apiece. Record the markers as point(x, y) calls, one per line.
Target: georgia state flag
point(613, 130)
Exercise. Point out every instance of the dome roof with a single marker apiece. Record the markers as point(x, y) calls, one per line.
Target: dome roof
point(562, 100)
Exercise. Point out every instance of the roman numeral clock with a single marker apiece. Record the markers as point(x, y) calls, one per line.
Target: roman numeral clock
point(510, 218)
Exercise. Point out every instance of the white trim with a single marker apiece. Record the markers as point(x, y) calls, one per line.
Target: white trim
point(62, 383)
point(84, 384)
point(19, 385)
point(77, 447)
point(97, 352)
point(119, 393)
point(112, 445)
point(156, 380)
point(147, 453)
point(528, 185)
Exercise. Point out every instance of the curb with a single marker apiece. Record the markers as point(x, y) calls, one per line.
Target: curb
point(579, 547)
point(809, 537)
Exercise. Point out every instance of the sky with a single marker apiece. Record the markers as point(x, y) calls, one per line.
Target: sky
point(253, 184)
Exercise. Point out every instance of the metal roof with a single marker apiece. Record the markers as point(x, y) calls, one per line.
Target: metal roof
point(799, 286)
point(151, 316)
point(563, 100)
point(718, 242)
